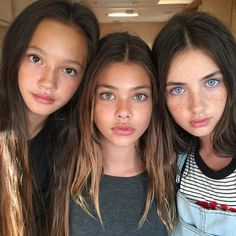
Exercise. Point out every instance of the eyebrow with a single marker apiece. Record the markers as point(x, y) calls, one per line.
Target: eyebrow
point(212, 74)
point(115, 88)
point(45, 54)
point(204, 78)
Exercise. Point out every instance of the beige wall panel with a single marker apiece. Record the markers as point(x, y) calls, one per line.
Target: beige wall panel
point(147, 31)
point(220, 8)
point(233, 24)
point(5, 12)
point(20, 5)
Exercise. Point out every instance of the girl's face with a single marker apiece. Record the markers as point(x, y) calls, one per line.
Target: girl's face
point(196, 93)
point(123, 103)
point(52, 67)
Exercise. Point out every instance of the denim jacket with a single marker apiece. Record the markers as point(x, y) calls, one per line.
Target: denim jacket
point(194, 220)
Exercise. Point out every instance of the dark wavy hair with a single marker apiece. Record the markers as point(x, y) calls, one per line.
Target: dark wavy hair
point(205, 32)
point(17, 215)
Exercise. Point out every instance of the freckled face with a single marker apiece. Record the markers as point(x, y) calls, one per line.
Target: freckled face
point(52, 67)
point(196, 94)
point(123, 104)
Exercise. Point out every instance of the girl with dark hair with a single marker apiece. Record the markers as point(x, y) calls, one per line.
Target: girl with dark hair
point(116, 190)
point(195, 56)
point(45, 53)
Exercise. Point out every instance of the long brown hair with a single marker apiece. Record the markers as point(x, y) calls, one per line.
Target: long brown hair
point(113, 48)
point(17, 185)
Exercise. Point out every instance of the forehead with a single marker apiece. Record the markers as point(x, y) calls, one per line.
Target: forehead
point(123, 72)
point(60, 39)
point(54, 26)
point(191, 63)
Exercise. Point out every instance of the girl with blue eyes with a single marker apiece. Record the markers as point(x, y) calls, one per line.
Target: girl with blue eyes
point(115, 189)
point(195, 56)
point(45, 53)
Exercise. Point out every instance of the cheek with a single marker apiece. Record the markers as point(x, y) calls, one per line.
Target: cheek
point(175, 106)
point(69, 89)
point(219, 102)
point(144, 115)
point(221, 97)
point(29, 71)
point(25, 74)
point(25, 80)
point(102, 120)
point(178, 110)
point(101, 114)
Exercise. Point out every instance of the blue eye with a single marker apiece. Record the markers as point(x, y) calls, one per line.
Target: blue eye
point(177, 90)
point(107, 96)
point(140, 97)
point(212, 82)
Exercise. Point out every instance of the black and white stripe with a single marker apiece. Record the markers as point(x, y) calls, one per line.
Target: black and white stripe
point(199, 186)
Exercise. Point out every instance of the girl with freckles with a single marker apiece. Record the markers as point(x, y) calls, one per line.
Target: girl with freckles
point(195, 57)
point(115, 189)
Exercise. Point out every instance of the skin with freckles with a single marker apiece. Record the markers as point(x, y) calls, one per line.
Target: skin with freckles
point(196, 98)
point(51, 69)
point(196, 94)
point(195, 58)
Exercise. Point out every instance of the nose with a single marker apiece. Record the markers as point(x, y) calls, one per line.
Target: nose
point(197, 102)
point(123, 109)
point(48, 80)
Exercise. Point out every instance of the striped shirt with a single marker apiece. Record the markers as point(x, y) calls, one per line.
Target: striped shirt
point(208, 188)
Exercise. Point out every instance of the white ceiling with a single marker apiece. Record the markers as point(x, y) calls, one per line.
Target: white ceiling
point(149, 10)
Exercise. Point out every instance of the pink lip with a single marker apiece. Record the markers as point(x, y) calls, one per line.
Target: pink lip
point(123, 130)
point(43, 99)
point(200, 123)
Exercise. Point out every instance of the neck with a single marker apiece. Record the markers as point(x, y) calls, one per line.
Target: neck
point(213, 161)
point(35, 125)
point(121, 161)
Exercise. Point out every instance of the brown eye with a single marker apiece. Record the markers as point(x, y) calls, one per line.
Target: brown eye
point(35, 59)
point(70, 71)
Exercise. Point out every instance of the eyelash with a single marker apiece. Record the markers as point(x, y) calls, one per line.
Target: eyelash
point(65, 70)
point(72, 69)
point(173, 90)
point(144, 96)
point(104, 94)
point(31, 56)
point(216, 82)
point(112, 96)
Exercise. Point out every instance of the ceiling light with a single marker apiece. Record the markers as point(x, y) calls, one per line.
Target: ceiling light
point(162, 2)
point(127, 13)
point(122, 14)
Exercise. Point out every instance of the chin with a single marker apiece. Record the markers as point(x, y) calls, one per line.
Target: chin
point(200, 134)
